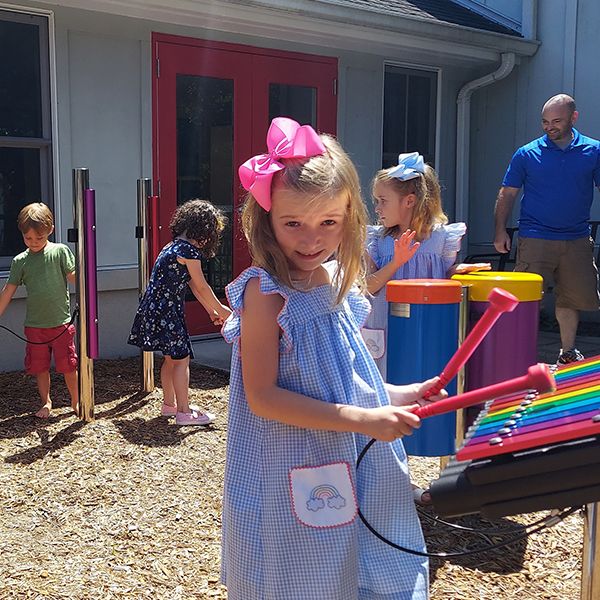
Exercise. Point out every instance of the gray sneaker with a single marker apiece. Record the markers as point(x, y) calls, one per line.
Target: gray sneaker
point(570, 356)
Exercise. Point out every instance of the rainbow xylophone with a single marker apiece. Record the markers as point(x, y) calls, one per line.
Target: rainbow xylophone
point(529, 453)
point(517, 423)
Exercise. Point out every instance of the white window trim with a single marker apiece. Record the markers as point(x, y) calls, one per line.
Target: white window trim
point(49, 15)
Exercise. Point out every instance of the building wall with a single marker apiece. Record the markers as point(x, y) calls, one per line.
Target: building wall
point(103, 76)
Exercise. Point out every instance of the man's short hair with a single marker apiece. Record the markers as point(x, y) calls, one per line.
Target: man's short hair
point(564, 100)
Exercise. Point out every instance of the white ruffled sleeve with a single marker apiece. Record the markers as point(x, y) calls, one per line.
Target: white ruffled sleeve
point(454, 234)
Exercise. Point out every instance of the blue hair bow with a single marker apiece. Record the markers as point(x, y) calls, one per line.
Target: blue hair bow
point(410, 166)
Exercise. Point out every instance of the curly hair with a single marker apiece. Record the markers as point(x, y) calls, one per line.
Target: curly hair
point(200, 221)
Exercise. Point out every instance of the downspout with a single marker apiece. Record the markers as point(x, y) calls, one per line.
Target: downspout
point(463, 132)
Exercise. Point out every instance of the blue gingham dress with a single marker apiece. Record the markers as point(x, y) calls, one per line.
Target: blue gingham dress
point(432, 260)
point(159, 323)
point(268, 554)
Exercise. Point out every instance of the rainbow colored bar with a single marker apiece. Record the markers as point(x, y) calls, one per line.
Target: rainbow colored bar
point(515, 423)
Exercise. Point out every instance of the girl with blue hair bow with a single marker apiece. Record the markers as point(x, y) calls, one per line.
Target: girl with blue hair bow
point(413, 240)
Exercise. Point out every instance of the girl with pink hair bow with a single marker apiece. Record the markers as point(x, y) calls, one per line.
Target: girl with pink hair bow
point(306, 396)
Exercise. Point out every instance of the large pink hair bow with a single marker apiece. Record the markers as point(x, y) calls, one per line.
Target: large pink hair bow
point(285, 139)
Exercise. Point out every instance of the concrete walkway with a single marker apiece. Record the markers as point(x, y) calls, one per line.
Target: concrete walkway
point(216, 353)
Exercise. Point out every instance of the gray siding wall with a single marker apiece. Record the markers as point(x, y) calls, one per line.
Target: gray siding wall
point(103, 67)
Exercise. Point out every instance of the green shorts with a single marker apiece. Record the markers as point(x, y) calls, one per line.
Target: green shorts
point(569, 264)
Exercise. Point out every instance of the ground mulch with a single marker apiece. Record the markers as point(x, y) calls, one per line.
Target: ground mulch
point(129, 506)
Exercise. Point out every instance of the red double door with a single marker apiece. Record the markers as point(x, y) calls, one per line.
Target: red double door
point(212, 105)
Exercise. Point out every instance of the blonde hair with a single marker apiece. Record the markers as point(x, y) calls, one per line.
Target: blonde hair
point(36, 216)
point(327, 174)
point(428, 211)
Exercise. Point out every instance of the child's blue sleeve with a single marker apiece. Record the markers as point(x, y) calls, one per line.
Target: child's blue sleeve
point(188, 251)
point(235, 297)
point(372, 243)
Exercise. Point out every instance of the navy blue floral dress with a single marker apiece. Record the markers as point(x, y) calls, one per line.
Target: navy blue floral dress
point(159, 323)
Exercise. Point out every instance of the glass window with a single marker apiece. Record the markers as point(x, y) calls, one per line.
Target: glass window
point(409, 111)
point(25, 124)
point(205, 159)
point(295, 101)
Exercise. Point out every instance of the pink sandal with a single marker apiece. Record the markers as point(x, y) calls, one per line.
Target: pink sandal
point(170, 410)
point(194, 418)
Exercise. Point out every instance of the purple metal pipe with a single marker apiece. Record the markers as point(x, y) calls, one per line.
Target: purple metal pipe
point(91, 290)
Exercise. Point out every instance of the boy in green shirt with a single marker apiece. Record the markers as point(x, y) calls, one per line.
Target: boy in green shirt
point(44, 269)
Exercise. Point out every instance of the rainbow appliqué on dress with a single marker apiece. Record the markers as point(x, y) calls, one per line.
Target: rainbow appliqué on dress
point(323, 496)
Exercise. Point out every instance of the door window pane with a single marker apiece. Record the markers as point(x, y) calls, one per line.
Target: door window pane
point(20, 184)
point(20, 83)
point(295, 101)
point(409, 113)
point(205, 157)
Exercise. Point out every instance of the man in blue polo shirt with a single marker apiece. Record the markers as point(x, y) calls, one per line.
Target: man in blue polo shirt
point(558, 173)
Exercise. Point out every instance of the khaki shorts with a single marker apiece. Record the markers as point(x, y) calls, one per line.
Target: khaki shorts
point(569, 264)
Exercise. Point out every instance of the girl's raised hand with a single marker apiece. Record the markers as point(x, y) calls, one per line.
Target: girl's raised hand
point(405, 248)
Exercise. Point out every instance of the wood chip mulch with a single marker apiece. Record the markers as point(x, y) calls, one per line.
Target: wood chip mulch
point(129, 506)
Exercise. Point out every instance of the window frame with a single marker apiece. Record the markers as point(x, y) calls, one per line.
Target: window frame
point(435, 74)
point(46, 144)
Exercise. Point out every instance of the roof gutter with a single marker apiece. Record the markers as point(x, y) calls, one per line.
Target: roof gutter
point(463, 132)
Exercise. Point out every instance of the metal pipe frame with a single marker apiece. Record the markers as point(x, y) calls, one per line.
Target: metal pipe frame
point(463, 321)
point(86, 364)
point(144, 192)
point(590, 568)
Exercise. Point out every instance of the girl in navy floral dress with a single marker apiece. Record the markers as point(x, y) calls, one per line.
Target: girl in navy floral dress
point(159, 323)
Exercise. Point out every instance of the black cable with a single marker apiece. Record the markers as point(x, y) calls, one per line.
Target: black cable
point(551, 520)
point(527, 530)
point(75, 313)
point(488, 531)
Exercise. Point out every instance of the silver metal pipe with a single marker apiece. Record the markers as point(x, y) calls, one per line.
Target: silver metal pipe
point(590, 568)
point(144, 191)
point(86, 364)
point(463, 321)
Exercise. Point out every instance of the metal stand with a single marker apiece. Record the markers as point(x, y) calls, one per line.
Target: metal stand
point(84, 217)
point(590, 570)
point(463, 320)
point(144, 191)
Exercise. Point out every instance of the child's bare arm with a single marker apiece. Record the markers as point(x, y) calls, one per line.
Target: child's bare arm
point(6, 295)
point(260, 362)
point(204, 293)
point(71, 278)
